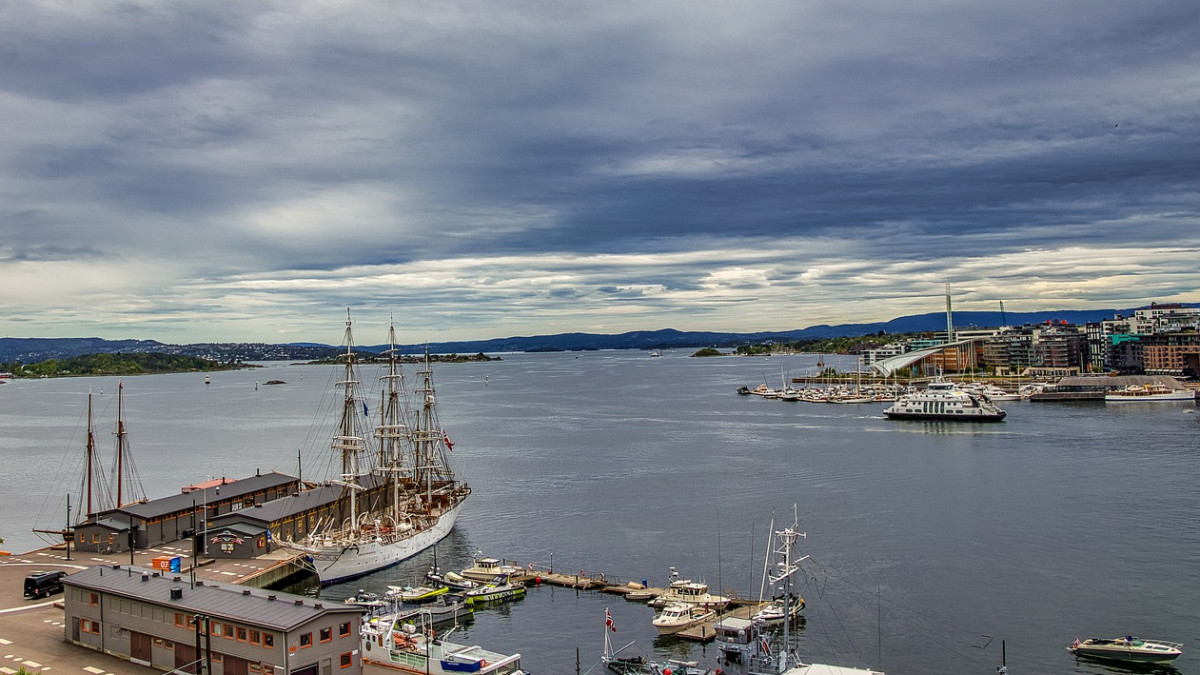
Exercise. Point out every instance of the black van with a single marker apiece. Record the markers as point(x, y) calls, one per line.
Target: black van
point(43, 584)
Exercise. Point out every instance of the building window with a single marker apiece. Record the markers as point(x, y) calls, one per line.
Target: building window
point(269, 640)
point(241, 634)
point(305, 640)
point(216, 629)
point(94, 599)
point(255, 637)
point(95, 537)
point(255, 667)
point(89, 626)
point(346, 660)
point(228, 631)
point(344, 629)
point(326, 634)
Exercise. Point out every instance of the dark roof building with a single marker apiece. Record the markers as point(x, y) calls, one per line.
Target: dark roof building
point(165, 622)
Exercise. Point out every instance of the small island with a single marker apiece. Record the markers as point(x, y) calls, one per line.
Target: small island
point(140, 363)
point(709, 351)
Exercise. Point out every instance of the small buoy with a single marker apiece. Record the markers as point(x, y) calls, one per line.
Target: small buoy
point(537, 581)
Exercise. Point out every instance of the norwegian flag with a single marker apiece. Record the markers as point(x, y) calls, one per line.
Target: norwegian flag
point(446, 440)
point(608, 621)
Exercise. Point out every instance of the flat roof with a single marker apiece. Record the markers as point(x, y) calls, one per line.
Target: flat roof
point(267, 609)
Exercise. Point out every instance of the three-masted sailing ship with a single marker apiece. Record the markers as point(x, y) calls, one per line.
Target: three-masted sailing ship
point(402, 499)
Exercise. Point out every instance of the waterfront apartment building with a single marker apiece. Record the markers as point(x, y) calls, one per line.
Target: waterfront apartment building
point(166, 623)
point(1175, 354)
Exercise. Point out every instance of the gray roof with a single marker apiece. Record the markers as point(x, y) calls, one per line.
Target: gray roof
point(185, 501)
point(218, 600)
point(1116, 381)
point(286, 507)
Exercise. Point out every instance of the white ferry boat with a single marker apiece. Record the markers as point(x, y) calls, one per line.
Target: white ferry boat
point(941, 400)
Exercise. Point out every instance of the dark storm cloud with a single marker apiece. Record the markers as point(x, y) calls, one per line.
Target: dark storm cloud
point(244, 170)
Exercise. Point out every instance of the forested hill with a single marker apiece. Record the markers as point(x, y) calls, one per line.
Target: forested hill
point(114, 364)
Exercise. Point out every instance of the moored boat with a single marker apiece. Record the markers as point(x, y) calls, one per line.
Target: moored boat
point(689, 592)
point(678, 616)
point(1148, 393)
point(780, 608)
point(1129, 649)
point(486, 569)
point(500, 588)
point(417, 497)
point(417, 593)
point(943, 401)
point(402, 647)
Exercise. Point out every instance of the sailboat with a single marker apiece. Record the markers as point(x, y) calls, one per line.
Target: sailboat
point(421, 495)
point(98, 491)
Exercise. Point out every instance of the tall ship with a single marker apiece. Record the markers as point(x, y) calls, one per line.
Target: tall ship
point(943, 401)
point(403, 497)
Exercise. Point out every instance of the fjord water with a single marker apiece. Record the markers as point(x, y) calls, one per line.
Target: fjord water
point(1064, 520)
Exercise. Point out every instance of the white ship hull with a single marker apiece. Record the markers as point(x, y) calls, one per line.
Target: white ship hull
point(340, 563)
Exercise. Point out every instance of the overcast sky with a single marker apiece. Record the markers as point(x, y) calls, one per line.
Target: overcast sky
point(194, 171)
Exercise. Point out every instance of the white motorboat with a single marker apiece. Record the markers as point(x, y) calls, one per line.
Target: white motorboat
point(1130, 649)
point(689, 592)
point(680, 615)
point(1148, 393)
point(780, 608)
point(943, 401)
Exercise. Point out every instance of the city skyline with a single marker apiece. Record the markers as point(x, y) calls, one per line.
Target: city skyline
point(187, 172)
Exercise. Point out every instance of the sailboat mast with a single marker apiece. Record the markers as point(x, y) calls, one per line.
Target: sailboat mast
point(91, 456)
point(120, 443)
point(391, 426)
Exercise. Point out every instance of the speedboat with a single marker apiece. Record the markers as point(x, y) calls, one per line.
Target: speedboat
point(406, 648)
point(678, 616)
point(943, 401)
point(1130, 649)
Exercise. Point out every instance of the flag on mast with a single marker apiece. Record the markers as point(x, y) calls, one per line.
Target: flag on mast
point(608, 621)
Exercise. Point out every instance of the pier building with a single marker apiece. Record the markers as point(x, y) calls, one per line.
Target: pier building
point(168, 623)
point(157, 521)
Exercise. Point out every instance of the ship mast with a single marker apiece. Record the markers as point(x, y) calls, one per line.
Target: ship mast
point(391, 431)
point(348, 442)
point(786, 566)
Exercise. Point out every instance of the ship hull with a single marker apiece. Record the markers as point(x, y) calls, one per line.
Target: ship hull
point(342, 563)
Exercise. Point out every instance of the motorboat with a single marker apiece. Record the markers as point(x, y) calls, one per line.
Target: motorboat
point(779, 608)
point(1130, 649)
point(499, 588)
point(1148, 393)
point(689, 592)
point(678, 616)
point(992, 392)
point(452, 580)
point(944, 401)
point(486, 569)
point(416, 593)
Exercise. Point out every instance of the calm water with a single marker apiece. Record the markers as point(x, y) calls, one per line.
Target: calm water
point(1064, 520)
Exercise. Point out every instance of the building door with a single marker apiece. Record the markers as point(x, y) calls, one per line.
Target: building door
point(139, 646)
point(306, 670)
point(185, 658)
point(234, 665)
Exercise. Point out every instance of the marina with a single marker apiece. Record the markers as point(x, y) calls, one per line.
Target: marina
point(924, 528)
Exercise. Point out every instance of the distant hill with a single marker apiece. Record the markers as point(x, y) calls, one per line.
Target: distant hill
point(32, 350)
